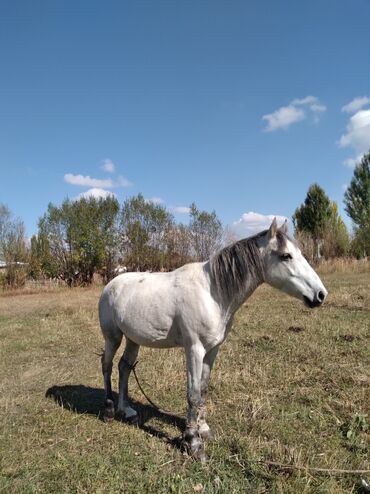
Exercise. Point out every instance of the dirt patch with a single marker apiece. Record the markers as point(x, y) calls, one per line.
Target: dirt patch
point(295, 329)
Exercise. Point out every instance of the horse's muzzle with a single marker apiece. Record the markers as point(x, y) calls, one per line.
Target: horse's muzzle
point(317, 301)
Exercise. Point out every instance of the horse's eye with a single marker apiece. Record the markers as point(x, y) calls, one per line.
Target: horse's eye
point(286, 257)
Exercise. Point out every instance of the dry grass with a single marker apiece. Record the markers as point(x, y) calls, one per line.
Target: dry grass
point(290, 385)
point(344, 265)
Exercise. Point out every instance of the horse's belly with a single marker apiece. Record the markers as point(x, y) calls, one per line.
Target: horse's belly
point(150, 328)
point(145, 312)
point(153, 337)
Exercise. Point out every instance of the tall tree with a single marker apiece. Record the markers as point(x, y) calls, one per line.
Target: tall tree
point(13, 248)
point(313, 215)
point(357, 203)
point(335, 238)
point(81, 236)
point(179, 246)
point(42, 262)
point(5, 216)
point(206, 230)
point(110, 237)
point(145, 226)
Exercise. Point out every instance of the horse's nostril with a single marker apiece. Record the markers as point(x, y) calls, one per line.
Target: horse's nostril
point(321, 296)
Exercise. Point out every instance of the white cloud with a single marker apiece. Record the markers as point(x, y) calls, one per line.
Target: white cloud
point(356, 104)
point(108, 166)
point(358, 133)
point(297, 110)
point(308, 100)
point(251, 223)
point(87, 181)
point(344, 187)
point(155, 200)
point(123, 182)
point(318, 108)
point(283, 117)
point(95, 192)
point(352, 162)
point(349, 163)
point(180, 209)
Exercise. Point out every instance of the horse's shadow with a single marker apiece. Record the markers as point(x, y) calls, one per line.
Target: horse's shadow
point(87, 400)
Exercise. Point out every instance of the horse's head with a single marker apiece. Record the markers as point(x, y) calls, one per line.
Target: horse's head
point(287, 269)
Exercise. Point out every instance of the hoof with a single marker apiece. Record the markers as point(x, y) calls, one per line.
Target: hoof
point(128, 415)
point(134, 419)
point(108, 411)
point(205, 433)
point(193, 445)
point(131, 419)
point(200, 455)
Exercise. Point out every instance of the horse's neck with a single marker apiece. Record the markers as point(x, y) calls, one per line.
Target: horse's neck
point(235, 304)
point(229, 305)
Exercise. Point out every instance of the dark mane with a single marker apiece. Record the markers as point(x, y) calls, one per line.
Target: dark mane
point(236, 266)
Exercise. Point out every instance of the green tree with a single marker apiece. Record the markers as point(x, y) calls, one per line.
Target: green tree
point(313, 215)
point(42, 262)
point(357, 205)
point(179, 246)
point(5, 217)
point(13, 248)
point(145, 227)
point(82, 237)
point(206, 231)
point(335, 238)
point(109, 236)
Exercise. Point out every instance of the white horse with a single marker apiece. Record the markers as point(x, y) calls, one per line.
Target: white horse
point(193, 307)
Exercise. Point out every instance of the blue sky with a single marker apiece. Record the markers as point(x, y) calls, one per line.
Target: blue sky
point(236, 105)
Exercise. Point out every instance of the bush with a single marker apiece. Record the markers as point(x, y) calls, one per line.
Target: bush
point(14, 277)
point(306, 244)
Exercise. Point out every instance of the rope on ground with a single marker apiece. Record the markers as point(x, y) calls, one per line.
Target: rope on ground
point(154, 405)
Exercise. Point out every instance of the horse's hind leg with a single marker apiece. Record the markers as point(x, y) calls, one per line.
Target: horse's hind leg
point(125, 366)
point(111, 347)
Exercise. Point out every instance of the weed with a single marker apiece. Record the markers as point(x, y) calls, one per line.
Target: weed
point(354, 432)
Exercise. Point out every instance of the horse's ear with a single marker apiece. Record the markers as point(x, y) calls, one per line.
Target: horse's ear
point(284, 227)
point(273, 228)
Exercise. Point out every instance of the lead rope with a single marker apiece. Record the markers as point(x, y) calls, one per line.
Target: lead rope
point(159, 409)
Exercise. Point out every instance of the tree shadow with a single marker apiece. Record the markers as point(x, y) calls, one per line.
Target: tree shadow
point(87, 400)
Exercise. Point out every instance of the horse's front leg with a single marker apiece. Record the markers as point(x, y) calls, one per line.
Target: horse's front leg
point(192, 439)
point(209, 358)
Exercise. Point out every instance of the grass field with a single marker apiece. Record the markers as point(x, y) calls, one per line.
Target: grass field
point(290, 386)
